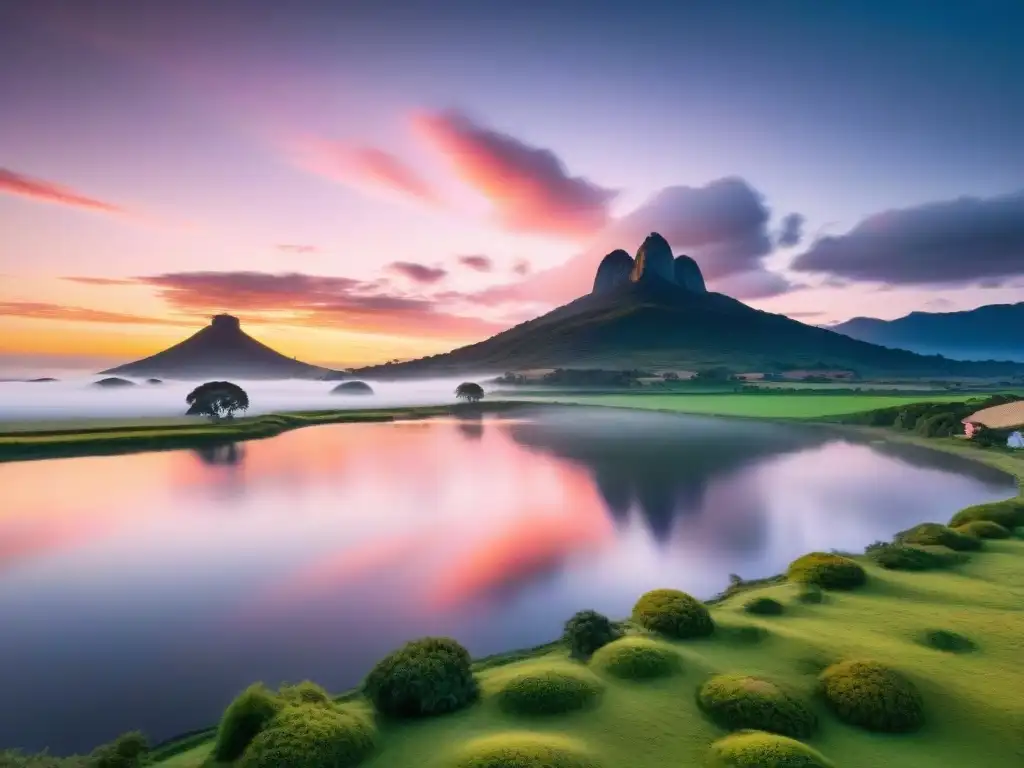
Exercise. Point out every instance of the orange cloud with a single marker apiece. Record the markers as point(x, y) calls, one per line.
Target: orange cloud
point(45, 311)
point(529, 187)
point(364, 167)
point(13, 183)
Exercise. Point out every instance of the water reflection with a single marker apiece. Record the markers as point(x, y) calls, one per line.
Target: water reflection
point(127, 575)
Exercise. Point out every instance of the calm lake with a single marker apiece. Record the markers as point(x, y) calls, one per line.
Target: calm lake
point(144, 591)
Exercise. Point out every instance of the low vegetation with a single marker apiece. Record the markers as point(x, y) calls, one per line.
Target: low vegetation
point(522, 749)
point(936, 535)
point(983, 529)
point(873, 696)
point(549, 691)
point(312, 737)
point(674, 614)
point(903, 557)
point(637, 658)
point(764, 606)
point(756, 749)
point(431, 676)
point(737, 702)
point(827, 571)
point(588, 631)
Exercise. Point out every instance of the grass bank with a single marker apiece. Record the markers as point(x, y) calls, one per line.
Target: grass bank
point(43, 440)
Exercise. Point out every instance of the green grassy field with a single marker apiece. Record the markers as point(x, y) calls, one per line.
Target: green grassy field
point(758, 405)
point(973, 707)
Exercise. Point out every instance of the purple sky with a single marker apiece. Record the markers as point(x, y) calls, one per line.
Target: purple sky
point(367, 181)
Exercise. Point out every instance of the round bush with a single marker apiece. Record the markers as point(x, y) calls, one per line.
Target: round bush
point(549, 692)
point(246, 716)
point(637, 658)
point(755, 749)
point(519, 749)
point(900, 557)
point(810, 594)
point(306, 692)
point(936, 535)
point(673, 613)
point(944, 640)
point(983, 529)
point(430, 676)
point(827, 571)
point(1008, 513)
point(738, 702)
point(312, 737)
point(763, 606)
point(586, 632)
point(873, 696)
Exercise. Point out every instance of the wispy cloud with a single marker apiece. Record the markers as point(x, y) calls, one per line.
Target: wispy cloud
point(477, 262)
point(18, 184)
point(47, 311)
point(363, 167)
point(529, 187)
point(418, 273)
point(297, 248)
point(97, 280)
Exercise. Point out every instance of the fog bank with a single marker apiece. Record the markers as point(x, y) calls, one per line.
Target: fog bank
point(75, 398)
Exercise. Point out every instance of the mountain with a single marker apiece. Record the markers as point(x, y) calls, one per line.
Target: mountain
point(654, 312)
point(993, 332)
point(220, 349)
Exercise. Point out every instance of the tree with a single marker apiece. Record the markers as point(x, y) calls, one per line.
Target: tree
point(217, 399)
point(470, 391)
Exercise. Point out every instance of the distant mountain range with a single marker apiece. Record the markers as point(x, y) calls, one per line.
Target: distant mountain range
point(653, 312)
point(993, 332)
point(220, 349)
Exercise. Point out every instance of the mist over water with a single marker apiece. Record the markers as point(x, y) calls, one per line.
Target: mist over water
point(77, 398)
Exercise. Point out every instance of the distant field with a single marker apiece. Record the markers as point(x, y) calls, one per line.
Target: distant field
point(779, 406)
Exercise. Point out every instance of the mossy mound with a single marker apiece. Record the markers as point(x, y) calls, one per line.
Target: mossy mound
point(430, 676)
point(312, 737)
point(739, 702)
point(741, 634)
point(810, 594)
point(352, 388)
point(674, 614)
point(983, 529)
point(126, 751)
point(520, 749)
point(244, 719)
point(936, 535)
point(587, 631)
point(947, 641)
point(549, 692)
point(763, 606)
point(637, 658)
point(755, 749)
point(306, 692)
point(827, 571)
point(903, 557)
point(872, 696)
point(1008, 513)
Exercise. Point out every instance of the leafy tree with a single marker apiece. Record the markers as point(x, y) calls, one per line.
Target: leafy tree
point(217, 399)
point(469, 391)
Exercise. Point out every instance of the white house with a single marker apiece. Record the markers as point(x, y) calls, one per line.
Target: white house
point(1016, 440)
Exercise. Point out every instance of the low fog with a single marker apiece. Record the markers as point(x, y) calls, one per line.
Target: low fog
point(76, 398)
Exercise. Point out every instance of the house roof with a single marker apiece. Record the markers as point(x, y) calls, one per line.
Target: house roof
point(1000, 416)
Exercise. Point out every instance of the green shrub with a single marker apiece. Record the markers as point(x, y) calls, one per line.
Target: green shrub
point(430, 676)
point(549, 692)
point(738, 702)
point(306, 692)
point(243, 720)
point(810, 594)
point(937, 535)
point(1008, 513)
point(586, 632)
point(872, 696)
point(983, 529)
point(900, 557)
point(755, 749)
point(673, 613)
point(827, 571)
point(763, 606)
point(743, 634)
point(637, 658)
point(947, 641)
point(312, 737)
point(518, 749)
point(126, 751)
point(12, 758)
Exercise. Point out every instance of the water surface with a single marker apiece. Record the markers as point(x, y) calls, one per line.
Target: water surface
point(143, 591)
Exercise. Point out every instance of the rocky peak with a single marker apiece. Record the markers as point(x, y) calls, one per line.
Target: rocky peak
point(614, 271)
point(688, 275)
point(654, 259)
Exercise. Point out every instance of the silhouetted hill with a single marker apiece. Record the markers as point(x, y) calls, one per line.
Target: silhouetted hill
point(220, 349)
point(657, 324)
point(993, 332)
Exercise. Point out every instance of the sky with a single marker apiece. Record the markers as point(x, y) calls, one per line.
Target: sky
point(367, 181)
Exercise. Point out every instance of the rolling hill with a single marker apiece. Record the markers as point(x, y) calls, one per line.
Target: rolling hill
point(993, 332)
point(656, 324)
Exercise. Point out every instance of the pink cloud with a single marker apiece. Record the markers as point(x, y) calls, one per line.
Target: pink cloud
point(364, 167)
point(529, 187)
point(477, 262)
point(46, 311)
point(297, 248)
point(418, 273)
point(13, 183)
